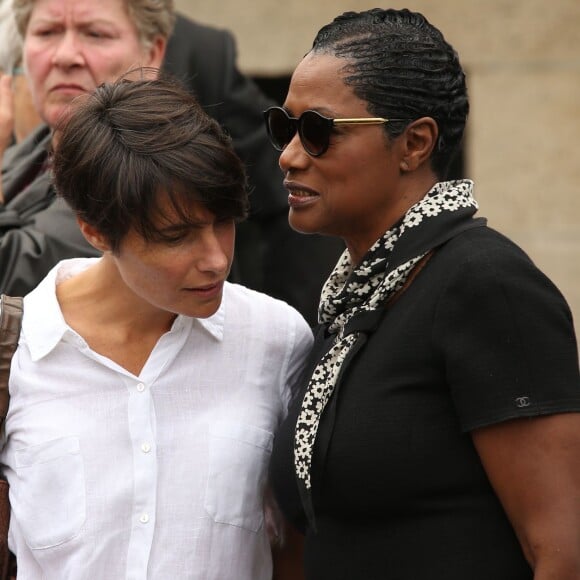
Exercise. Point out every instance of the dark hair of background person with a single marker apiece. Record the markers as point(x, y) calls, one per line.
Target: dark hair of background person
point(133, 139)
point(419, 76)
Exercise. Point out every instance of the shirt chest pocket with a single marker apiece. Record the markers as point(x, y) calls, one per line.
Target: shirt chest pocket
point(238, 459)
point(48, 496)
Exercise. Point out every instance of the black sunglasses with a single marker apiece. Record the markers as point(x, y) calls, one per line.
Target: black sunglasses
point(313, 128)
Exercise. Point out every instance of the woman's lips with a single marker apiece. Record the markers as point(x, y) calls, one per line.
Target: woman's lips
point(296, 200)
point(209, 291)
point(300, 195)
point(68, 89)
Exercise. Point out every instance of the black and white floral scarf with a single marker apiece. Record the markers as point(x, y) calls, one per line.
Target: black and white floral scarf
point(446, 208)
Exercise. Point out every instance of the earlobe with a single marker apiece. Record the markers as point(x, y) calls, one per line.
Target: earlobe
point(93, 236)
point(420, 138)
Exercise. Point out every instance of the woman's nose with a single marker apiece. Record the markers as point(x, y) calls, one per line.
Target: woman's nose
point(293, 156)
point(216, 254)
point(68, 52)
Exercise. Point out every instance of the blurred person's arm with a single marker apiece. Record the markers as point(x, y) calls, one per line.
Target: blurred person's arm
point(288, 556)
point(6, 119)
point(286, 542)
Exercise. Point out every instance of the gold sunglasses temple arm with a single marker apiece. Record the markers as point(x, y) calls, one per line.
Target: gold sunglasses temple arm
point(361, 121)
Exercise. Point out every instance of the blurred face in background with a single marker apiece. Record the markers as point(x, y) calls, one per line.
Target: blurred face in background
point(72, 46)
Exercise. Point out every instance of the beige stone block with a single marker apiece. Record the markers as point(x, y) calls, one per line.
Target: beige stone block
point(273, 36)
point(522, 151)
point(557, 256)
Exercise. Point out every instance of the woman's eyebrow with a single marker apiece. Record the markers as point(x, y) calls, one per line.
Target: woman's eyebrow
point(181, 227)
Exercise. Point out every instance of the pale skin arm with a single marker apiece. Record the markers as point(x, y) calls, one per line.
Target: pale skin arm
point(534, 466)
point(6, 119)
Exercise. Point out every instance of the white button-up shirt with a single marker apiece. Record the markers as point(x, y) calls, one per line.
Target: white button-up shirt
point(158, 476)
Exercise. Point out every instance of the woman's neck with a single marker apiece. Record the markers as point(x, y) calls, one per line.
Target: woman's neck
point(110, 317)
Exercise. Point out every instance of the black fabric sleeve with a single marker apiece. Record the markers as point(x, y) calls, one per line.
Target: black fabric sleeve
point(507, 338)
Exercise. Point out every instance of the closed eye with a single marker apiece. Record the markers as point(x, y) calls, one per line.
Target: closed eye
point(46, 31)
point(97, 34)
point(175, 235)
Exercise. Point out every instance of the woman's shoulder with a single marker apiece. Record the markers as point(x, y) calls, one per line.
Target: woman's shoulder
point(483, 258)
point(258, 305)
point(35, 144)
point(481, 242)
point(266, 321)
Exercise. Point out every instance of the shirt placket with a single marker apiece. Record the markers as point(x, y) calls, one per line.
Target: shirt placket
point(141, 430)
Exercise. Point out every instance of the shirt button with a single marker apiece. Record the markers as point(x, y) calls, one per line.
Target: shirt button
point(140, 387)
point(144, 518)
point(145, 447)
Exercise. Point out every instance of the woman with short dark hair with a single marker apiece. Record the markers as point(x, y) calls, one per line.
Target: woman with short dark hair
point(175, 153)
point(146, 389)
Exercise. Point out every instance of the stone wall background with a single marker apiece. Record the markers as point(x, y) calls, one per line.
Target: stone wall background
point(522, 58)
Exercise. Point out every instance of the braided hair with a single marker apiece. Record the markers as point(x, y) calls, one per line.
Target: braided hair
point(403, 67)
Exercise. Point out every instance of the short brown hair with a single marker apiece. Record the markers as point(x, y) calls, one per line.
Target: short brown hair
point(129, 142)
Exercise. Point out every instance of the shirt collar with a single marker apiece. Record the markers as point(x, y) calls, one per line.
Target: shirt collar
point(43, 324)
point(214, 324)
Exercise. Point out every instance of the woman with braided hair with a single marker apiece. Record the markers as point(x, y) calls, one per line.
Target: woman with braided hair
point(437, 433)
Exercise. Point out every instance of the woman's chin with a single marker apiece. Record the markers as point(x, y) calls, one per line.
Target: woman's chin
point(302, 228)
point(303, 223)
point(54, 115)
